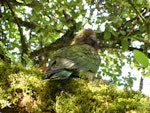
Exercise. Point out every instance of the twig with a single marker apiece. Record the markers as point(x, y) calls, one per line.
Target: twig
point(136, 11)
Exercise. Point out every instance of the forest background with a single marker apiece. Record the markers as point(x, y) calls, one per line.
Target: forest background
point(31, 31)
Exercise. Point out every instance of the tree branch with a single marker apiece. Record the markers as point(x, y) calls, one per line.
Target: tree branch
point(22, 37)
point(65, 40)
point(26, 24)
point(136, 11)
point(31, 4)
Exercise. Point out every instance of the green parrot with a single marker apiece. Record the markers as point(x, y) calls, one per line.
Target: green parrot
point(81, 56)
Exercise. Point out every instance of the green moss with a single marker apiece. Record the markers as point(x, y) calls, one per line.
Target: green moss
point(4, 54)
point(24, 90)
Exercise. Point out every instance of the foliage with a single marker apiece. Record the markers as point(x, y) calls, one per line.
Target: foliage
point(32, 30)
point(4, 54)
point(143, 60)
point(24, 90)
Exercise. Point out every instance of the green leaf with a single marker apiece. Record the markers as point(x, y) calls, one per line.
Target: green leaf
point(115, 33)
point(125, 44)
point(107, 34)
point(141, 58)
point(78, 25)
point(122, 32)
point(128, 24)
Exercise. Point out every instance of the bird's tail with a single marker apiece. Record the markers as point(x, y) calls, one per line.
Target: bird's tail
point(62, 74)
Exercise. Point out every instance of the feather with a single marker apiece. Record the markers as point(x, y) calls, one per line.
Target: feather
point(82, 54)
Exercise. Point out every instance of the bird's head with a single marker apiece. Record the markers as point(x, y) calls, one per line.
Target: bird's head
point(86, 36)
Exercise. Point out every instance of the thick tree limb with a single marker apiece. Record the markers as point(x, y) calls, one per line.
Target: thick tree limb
point(59, 43)
point(26, 24)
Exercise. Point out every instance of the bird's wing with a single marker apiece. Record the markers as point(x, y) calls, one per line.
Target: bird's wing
point(72, 58)
point(78, 57)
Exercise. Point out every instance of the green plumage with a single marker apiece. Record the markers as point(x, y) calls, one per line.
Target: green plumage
point(70, 59)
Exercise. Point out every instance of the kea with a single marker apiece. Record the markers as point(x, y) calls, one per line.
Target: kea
point(80, 59)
